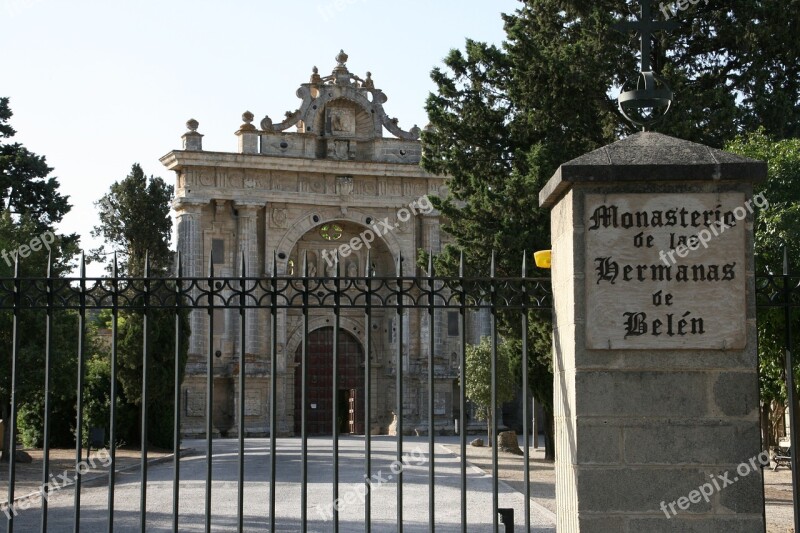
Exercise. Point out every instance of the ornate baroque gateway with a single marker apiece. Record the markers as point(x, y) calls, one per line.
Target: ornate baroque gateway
point(333, 185)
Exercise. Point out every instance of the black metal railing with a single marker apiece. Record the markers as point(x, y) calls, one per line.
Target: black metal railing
point(781, 292)
point(180, 294)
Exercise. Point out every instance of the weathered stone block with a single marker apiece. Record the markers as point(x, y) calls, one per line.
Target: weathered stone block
point(603, 524)
point(736, 393)
point(648, 393)
point(691, 442)
point(747, 492)
point(637, 490)
point(707, 525)
point(601, 442)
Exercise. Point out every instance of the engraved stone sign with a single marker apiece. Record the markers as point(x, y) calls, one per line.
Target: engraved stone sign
point(665, 271)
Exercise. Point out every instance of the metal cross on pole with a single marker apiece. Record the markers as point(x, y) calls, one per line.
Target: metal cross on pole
point(645, 29)
point(646, 101)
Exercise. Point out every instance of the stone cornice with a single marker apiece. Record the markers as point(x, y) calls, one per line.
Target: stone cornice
point(650, 156)
point(205, 197)
point(188, 205)
point(179, 159)
point(249, 206)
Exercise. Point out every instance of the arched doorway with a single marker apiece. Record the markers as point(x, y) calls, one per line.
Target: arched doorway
point(350, 387)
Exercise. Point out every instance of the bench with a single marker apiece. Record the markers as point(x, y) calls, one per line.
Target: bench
point(782, 456)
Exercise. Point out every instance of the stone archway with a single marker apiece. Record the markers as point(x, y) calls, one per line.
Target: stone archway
point(387, 243)
point(350, 386)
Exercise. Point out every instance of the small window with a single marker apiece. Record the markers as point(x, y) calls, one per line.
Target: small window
point(452, 324)
point(218, 251)
point(331, 232)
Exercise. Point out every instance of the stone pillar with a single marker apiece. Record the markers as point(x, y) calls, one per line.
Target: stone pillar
point(431, 241)
point(248, 135)
point(190, 244)
point(654, 341)
point(248, 245)
point(192, 140)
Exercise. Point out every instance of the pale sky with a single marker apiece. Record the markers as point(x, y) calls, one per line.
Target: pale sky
point(96, 86)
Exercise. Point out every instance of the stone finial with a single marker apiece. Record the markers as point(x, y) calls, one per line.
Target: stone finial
point(247, 117)
point(340, 75)
point(341, 58)
point(191, 139)
point(415, 131)
point(266, 123)
point(316, 79)
point(369, 83)
point(248, 135)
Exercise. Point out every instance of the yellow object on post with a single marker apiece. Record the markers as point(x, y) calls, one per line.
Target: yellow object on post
point(542, 258)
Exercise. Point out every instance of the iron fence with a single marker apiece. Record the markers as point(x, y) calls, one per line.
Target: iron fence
point(178, 294)
point(781, 292)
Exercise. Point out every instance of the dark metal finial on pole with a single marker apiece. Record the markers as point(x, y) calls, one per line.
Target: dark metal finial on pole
point(639, 104)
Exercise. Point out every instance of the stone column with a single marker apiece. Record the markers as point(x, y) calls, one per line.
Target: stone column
point(190, 244)
point(248, 245)
point(431, 241)
point(654, 341)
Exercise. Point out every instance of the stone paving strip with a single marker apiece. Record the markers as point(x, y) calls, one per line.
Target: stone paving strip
point(778, 489)
point(415, 504)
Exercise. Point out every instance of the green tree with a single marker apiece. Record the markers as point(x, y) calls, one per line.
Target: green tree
point(479, 381)
point(30, 206)
point(26, 187)
point(134, 220)
point(504, 118)
point(776, 226)
point(97, 388)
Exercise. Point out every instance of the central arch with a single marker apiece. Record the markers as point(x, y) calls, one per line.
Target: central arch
point(350, 386)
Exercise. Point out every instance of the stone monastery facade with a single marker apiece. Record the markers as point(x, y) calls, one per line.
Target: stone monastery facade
point(299, 188)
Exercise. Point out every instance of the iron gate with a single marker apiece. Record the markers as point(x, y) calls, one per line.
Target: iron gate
point(781, 292)
point(429, 293)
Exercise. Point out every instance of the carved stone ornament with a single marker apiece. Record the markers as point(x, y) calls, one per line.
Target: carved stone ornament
point(279, 217)
point(344, 185)
point(341, 150)
point(247, 117)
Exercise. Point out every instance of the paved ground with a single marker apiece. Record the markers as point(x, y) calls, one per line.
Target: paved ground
point(29, 475)
point(511, 468)
point(415, 505)
point(777, 485)
point(778, 489)
point(778, 494)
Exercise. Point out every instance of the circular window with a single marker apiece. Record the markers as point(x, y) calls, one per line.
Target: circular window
point(331, 232)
